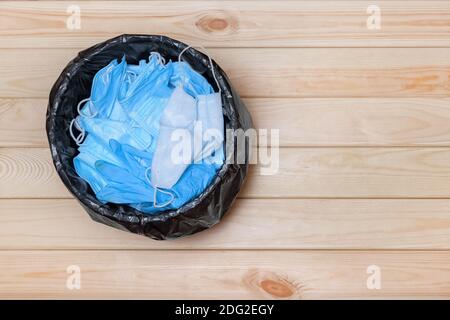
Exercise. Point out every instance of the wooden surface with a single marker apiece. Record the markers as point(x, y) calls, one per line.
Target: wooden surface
point(364, 174)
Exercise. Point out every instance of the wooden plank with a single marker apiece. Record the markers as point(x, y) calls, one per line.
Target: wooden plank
point(266, 72)
point(355, 122)
point(229, 23)
point(22, 122)
point(29, 173)
point(355, 173)
point(302, 122)
point(302, 173)
point(283, 224)
point(226, 274)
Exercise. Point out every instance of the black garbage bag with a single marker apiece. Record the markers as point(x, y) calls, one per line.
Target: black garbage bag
point(74, 84)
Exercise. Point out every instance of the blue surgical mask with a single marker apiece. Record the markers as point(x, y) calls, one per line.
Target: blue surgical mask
point(191, 184)
point(147, 104)
point(144, 75)
point(90, 151)
point(191, 81)
point(105, 87)
point(125, 132)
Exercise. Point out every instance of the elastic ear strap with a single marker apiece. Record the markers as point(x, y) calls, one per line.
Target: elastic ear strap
point(183, 51)
point(78, 140)
point(159, 57)
point(79, 109)
point(210, 62)
point(172, 197)
point(156, 189)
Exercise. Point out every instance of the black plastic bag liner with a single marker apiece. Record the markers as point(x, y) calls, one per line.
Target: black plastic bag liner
point(74, 84)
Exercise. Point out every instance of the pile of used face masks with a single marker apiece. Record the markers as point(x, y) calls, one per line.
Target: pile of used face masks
point(133, 124)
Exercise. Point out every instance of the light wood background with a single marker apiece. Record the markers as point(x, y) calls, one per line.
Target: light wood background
point(364, 177)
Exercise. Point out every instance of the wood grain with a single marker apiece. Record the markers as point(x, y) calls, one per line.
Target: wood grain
point(226, 274)
point(302, 122)
point(22, 122)
point(283, 224)
point(267, 72)
point(302, 173)
point(355, 173)
point(229, 23)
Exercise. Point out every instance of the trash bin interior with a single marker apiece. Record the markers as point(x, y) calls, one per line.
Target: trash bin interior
point(150, 135)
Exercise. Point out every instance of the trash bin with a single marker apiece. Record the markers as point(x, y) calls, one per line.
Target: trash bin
point(75, 83)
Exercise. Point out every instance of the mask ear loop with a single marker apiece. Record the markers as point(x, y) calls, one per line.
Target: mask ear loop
point(210, 63)
point(92, 115)
point(79, 139)
point(159, 57)
point(172, 197)
point(183, 72)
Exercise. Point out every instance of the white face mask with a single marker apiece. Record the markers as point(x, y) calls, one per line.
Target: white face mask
point(185, 112)
point(180, 113)
point(210, 117)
